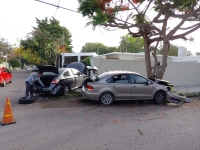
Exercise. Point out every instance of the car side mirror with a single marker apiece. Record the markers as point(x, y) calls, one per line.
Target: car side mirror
point(148, 83)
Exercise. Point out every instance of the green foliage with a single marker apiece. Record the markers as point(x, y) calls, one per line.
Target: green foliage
point(140, 18)
point(86, 61)
point(131, 45)
point(173, 50)
point(188, 94)
point(72, 94)
point(99, 48)
point(46, 39)
point(14, 63)
point(135, 16)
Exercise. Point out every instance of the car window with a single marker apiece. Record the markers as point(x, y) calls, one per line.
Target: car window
point(138, 79)
point(76, 72)
point(118, 79)
point(66, 74)
point(49, 74)
point(5, 70)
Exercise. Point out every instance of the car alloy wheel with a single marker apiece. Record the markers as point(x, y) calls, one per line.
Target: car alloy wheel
point(106, 98)
point(159, 97)
point(66, 90)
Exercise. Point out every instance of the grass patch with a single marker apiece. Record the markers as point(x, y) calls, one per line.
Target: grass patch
point(188, 94)
point(71, 95)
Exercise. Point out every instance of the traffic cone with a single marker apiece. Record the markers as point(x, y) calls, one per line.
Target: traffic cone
point(8, 116)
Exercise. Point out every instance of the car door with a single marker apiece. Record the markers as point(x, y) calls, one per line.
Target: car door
point(7, 74)
point(121, 87)
point(68, 79)
point(78, 77)
point(141, 89)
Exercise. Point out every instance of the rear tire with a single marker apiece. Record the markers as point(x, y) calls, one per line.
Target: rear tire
point(4, 83)
point(10, 81)
point(106, 98)
point(66, 90)
point(23, 100)
point(159, 97)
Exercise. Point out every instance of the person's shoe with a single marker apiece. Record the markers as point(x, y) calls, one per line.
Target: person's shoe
point(28, 97)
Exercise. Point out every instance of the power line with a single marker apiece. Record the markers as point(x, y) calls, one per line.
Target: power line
point(13, 27)
point(56, 6)
point(10, 32)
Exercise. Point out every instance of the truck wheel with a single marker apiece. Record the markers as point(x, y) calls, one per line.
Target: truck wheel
point(23, 100)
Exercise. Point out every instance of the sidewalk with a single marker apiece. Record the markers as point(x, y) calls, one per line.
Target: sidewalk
point(189, 88)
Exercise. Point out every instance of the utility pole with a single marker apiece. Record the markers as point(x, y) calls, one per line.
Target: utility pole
point(7, 54)
point(62, 59)
point(63, 38)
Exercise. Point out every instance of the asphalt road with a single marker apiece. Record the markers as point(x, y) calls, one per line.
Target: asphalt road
point(89, 126)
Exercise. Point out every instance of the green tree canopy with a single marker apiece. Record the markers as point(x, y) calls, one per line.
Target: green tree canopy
point(5, 49)
point(173, 50)
point(99, 48)
point(14, 63)
point(131, 45)
point(149, 19)
point(48, 40)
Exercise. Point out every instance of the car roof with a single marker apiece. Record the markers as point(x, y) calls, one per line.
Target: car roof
point(120, 72)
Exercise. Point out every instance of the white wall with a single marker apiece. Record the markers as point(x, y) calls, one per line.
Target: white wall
point(178, 73)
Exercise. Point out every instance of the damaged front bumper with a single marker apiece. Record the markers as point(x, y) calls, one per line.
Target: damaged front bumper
point(177, 99)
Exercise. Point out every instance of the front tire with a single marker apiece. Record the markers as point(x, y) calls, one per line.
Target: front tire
point(106, 98)
point(159, 97)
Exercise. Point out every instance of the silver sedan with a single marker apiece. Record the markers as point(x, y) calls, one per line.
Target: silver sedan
point(123, 85)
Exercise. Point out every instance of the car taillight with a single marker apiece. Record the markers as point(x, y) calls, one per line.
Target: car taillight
point(54, 82)
point(89, 87)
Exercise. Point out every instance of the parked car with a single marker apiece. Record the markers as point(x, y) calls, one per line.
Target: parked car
point(28, 68)
point(58, 81)
point(5, 76)
point(123, 85)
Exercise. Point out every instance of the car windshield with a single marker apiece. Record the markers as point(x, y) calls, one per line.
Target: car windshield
point(49, 74)
point(99, 77)
point(61, 71)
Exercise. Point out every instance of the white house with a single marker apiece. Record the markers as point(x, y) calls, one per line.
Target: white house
point(67, 58)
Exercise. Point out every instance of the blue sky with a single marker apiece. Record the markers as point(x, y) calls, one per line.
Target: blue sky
point(18, 17)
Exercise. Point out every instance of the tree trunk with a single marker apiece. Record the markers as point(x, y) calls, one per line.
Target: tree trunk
point(163, 67)
point(147, 57)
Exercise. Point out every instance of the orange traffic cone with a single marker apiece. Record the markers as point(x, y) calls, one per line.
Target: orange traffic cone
point(7, 117)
